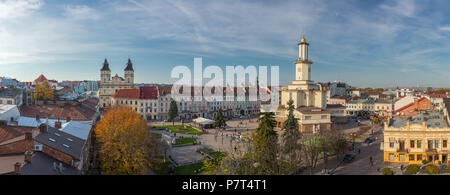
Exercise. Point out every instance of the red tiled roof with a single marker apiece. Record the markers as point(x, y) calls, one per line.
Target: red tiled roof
point(127, 94)
point(11, 132)
point(41, 78)
point(149, 92)
point(75, 112)
point(141, 93)
point(437, 95)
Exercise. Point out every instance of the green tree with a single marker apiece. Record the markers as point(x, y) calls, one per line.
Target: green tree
point(311, 149)
point(265, 146)
point(291, 137)
point(209, 167)
point(173, 111)
point(219, 121)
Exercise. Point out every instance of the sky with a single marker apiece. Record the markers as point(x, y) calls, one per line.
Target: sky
point(365, 43)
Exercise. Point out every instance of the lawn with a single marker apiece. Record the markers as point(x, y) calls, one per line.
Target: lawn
point(188, 169)
point(156, 135)
point(162, 166)
point(183, 170)
point(184, 129)
point(215, 154)
point(182, 141)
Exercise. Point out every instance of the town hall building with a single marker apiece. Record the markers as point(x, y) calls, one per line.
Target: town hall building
point(309, 98)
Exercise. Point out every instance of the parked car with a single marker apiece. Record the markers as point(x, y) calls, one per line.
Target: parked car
point(348, 158)
point(368, 140)
point(328, 173)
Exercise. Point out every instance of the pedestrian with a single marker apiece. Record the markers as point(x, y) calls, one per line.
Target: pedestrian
point(371, 161)
point(359, 151)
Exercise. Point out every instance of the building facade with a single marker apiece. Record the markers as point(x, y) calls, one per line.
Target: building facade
point(420, 137)
point(309, 98)
point(110, 85)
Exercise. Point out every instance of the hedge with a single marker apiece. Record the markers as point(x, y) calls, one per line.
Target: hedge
point(432, 169)
point(412, 169)
point(387, 171)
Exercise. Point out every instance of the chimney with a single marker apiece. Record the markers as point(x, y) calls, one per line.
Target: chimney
point(43, 128)
point(28, 135)
point(58, 125)
point(28, 157)
point(37, 117)
point(68, 119)
point(17, 168)
point(12, 119)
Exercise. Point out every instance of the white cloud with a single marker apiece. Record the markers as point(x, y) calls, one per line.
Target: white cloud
point(406, 8)
point(10, 9)
point(82, 12)
point(444, 28)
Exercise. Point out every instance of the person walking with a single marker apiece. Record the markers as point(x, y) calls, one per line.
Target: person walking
point(371, 161)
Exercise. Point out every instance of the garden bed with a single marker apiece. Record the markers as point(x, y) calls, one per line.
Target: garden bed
point(184, 141)
point(183, 129)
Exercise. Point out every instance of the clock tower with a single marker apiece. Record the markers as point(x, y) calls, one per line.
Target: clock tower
point(303, 64)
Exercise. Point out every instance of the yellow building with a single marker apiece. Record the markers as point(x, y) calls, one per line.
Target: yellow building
point(310, 99)
point(421, 137)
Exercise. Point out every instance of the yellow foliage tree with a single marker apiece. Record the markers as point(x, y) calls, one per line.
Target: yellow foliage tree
point(43, 91)
point(126, 147)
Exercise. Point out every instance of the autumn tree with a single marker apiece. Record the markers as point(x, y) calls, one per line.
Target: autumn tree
point(173, 111)
point(126, 147)
point(219, 121)
point(43, 91)
point(291, 136)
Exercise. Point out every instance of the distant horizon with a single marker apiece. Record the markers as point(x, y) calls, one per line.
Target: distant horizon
point(162, 83)
point(373, 44)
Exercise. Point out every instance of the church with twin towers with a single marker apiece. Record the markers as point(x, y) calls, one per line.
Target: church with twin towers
point(110, 85)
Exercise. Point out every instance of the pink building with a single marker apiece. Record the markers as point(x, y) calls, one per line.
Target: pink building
point(384, 107)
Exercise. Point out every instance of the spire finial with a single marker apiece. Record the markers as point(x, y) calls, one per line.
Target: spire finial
point(303, 39)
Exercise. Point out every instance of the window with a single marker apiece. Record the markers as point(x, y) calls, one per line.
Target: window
point(411, 143)
point(436, 143)
point(391, 157)
point(411, 157)
point(307, 117)
point(391, 143)
point(324, 116)
point(430, 144)
point(419, 157)
point(419, 143)
point(444, 143)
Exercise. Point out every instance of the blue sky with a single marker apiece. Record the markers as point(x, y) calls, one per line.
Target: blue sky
point(365, 43)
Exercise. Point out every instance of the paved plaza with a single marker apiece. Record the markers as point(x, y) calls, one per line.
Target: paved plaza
point(223, 141)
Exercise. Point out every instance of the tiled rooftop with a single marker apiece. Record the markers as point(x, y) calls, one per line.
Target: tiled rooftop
point(10, 92)
point(11, 132)
point(431, 119)
point(42, 164)
point(61, 141)
point(83, 112)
